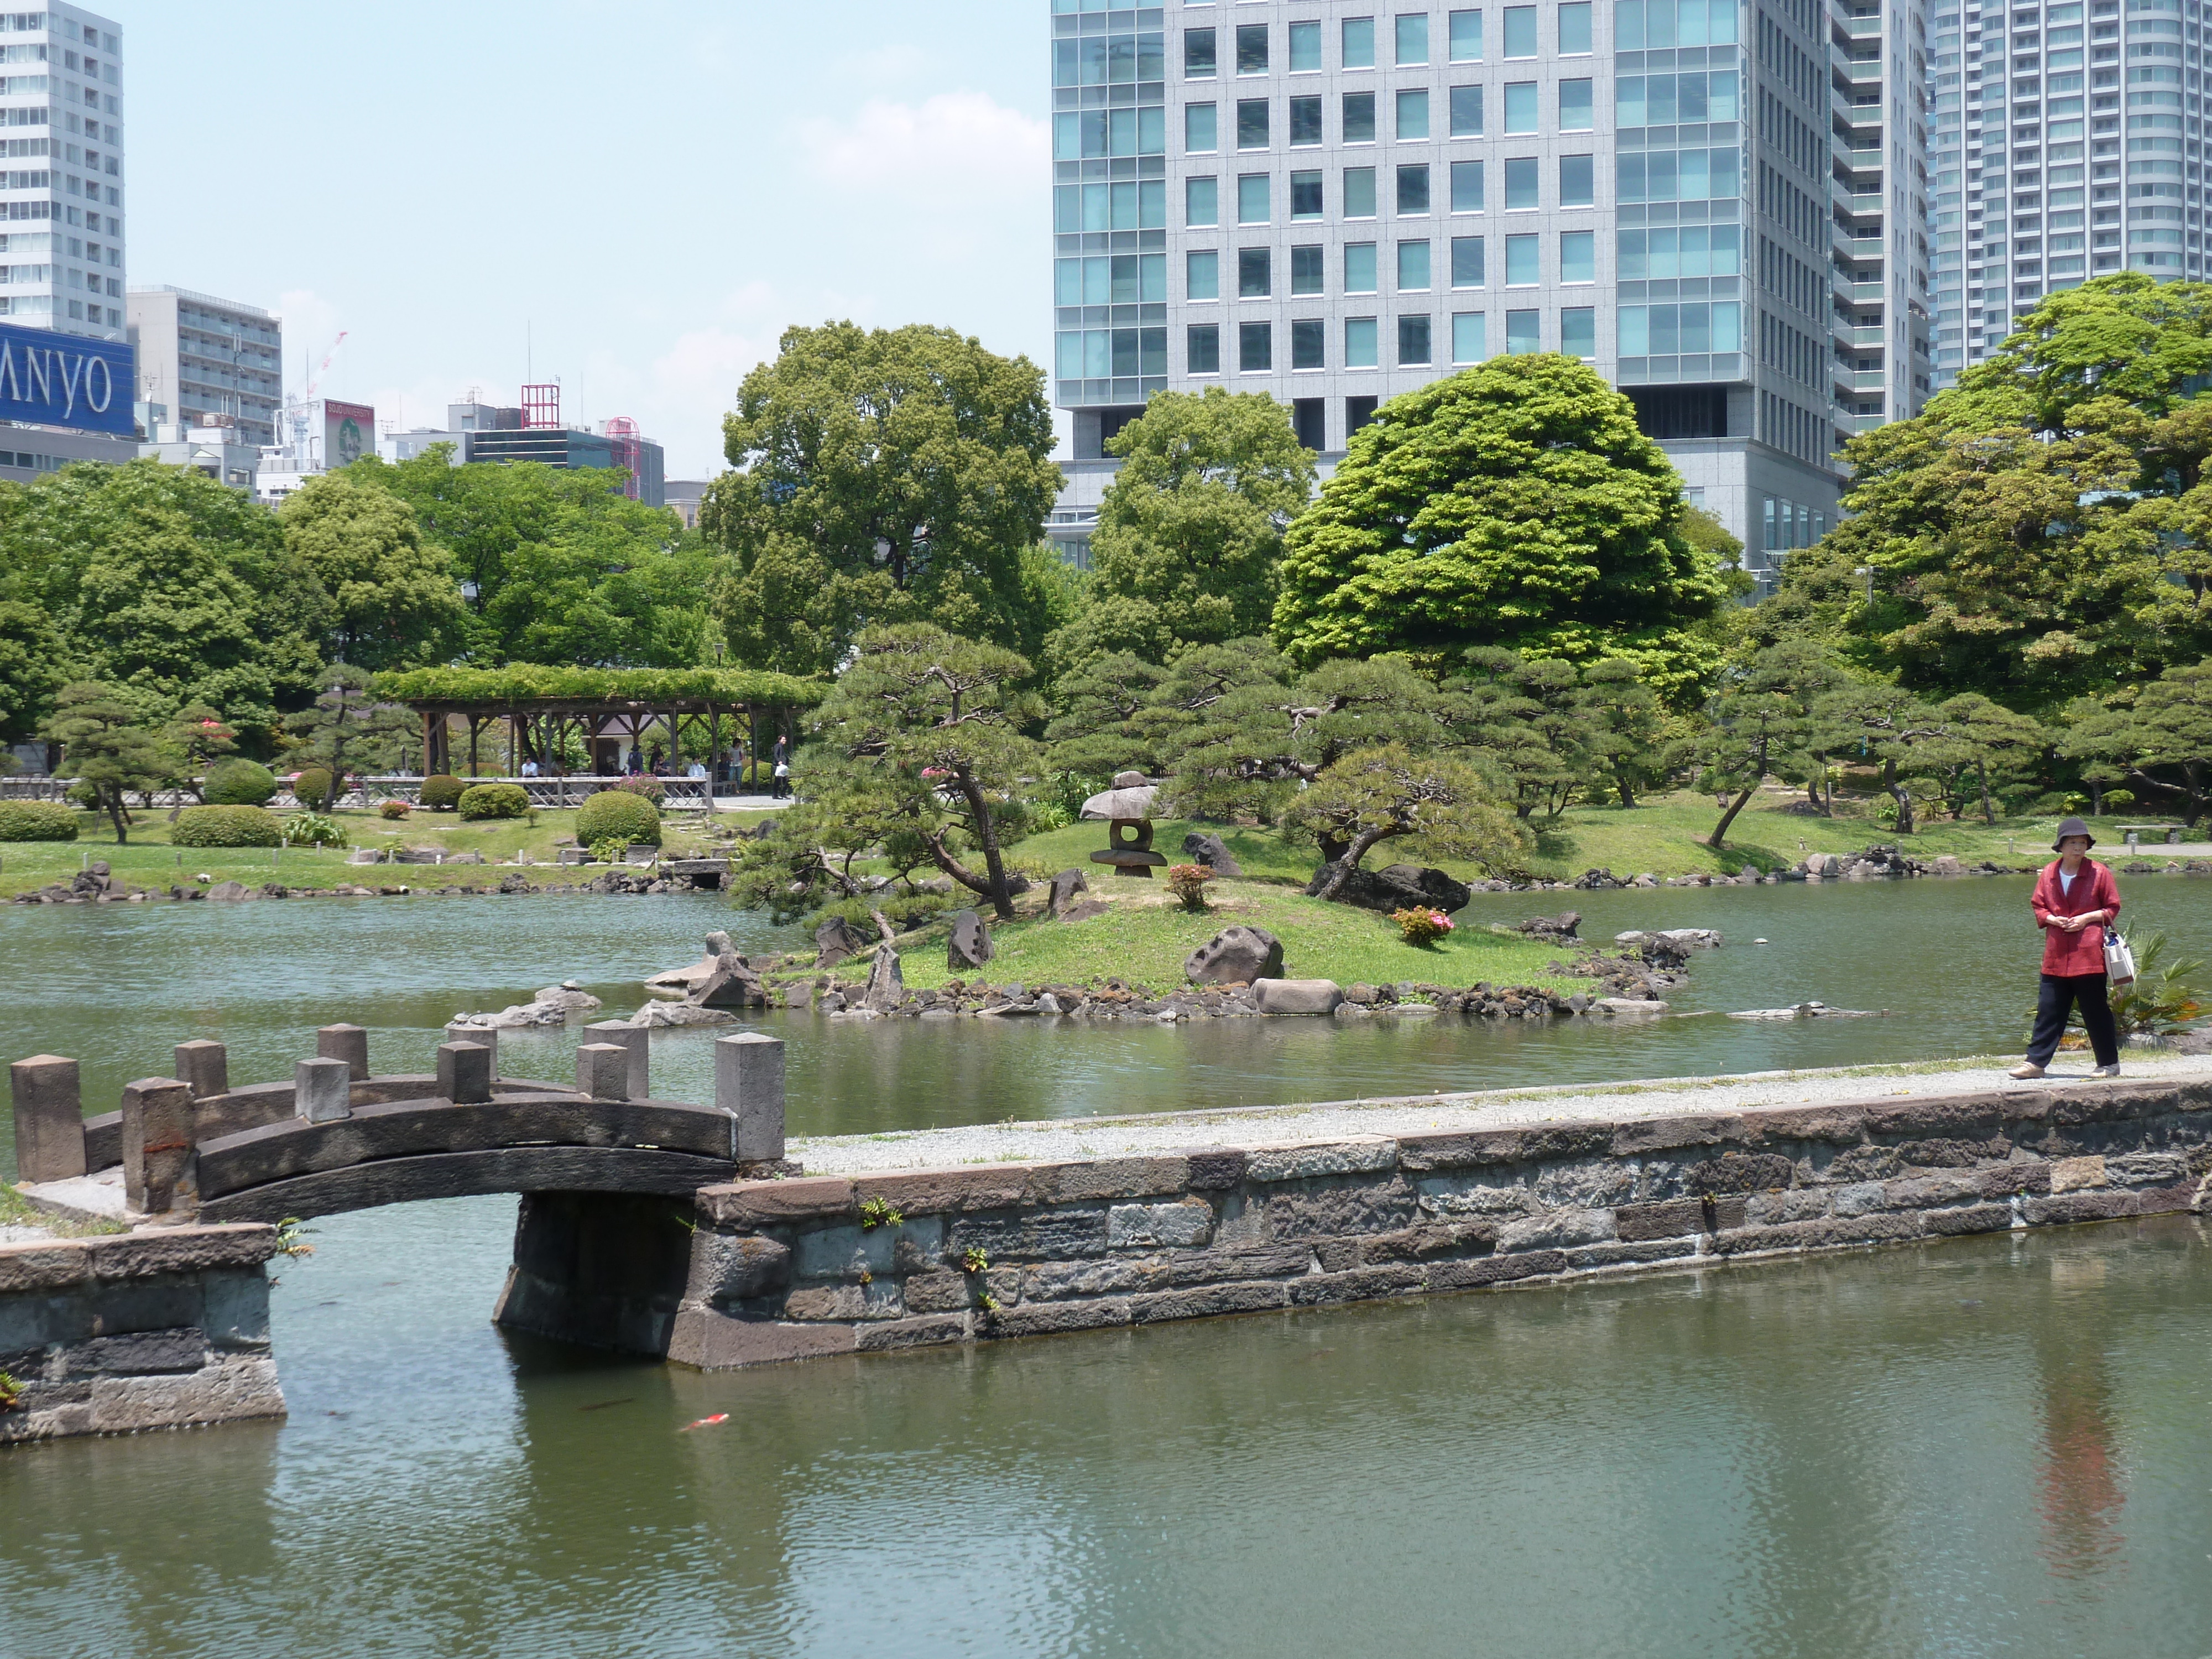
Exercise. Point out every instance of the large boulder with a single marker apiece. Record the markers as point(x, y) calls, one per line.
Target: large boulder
point(835, 941)
point(733, 984)
point(1235, 955)
point(886, 982)
point(1065, 886)
point(969, 946)
point(1210, 851)
point(1394, 887)
point(1561, 926)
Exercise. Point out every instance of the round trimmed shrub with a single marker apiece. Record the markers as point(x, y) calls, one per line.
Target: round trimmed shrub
point(36, 820)
point(617, 815)
point(227, 826)
point(442, 792)
point(309, 786)
point(394, 810)
point(494, 800)
point(238, 783)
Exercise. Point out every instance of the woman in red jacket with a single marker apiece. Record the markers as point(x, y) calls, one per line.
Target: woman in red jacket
point(2074, 901)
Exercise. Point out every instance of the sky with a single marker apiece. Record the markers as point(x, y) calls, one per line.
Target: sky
point(635, 198)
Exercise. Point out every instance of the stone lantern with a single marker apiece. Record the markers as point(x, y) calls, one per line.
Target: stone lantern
point(1128, 808)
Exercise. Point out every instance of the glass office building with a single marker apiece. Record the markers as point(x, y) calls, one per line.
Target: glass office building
point(1334, 202)
point(2069, 143)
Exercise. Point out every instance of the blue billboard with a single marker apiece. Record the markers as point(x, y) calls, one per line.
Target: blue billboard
point(64, 379)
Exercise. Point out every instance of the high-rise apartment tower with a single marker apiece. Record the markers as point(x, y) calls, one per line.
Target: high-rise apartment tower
point(2069, 143)
point(1334, 201)
point(61, 176)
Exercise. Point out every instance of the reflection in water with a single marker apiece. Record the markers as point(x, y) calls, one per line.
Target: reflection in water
point(2079, 1490)
point(1910, 1452)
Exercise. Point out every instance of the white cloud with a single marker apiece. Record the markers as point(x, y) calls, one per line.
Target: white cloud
point(955, 146)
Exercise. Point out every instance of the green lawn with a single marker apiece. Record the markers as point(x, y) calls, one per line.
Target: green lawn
point(148, 860)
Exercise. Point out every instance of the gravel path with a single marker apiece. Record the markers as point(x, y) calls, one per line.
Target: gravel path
point(1336, 1120)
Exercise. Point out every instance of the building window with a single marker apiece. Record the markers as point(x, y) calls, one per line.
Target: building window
point(1414, 188)
point(1663, 331)
point(1520, 106)
point(1521, 186)
point(1466, 262)
point(1466, 111)
point(1251, 48)
point(1305, 196)
point(1360, 342)
point(1578, 256)
point(1412, 39)
point(1575, 28)
point(1307, 274)
point(1469, 342)
point(1200, 131)
point(1358, 43)
point(1466, 36)
point(1305, 120)
point(1522, 333)
point(1251, 123)
point(1202, 349)
point(1467, 186)
point(1305, 48)
point(1413, 267)
point(1255, 348)
point(1198, 55)
point(1577, 111)
point(1523, 262)
point(1358, 118)
point(1413, 114)
point(1413, 350)
point(1577, 181)
point(1359, 192)
point(1519, 34)
point(1202, 274)
point(1254, 273)
point(1201, 201)
point(1359, 268)
point(1308, 339)
point(1254, 206)
point(1309, 420)
point(1578, 331)
point(1358, 412)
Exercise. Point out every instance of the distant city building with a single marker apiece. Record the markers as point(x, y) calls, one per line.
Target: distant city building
point(314, 435)
point(202, 357)
point(482, 433)
point(682, 494)
point(216, 446)
point(60, 174)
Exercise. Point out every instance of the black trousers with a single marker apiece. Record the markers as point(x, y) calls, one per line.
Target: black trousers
point(2058, 994)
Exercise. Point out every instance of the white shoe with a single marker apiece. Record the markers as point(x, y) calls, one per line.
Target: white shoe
point(2029, 1069)
point(2112, 1070)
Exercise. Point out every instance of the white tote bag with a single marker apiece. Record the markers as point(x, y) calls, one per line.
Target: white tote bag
point(2119, 961)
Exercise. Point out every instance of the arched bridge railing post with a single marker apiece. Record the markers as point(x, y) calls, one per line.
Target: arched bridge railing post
point(205, 1067)
point(322, 1090)
point(465, 1071)
point(159, 1161)
point(49, 1118)
point(603, 1071)
point(632, 1039)
point(749, 1086)
point(346, 1042)
point(485, 1038)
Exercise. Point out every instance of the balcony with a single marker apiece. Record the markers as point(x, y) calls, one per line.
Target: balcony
point(1863, 250)
point(1863, 339)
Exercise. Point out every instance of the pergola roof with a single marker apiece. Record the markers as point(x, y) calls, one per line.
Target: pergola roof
point(530, 688)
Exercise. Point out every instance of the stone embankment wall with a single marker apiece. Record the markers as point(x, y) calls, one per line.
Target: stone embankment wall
point(155, 1329)
point(785, 1269)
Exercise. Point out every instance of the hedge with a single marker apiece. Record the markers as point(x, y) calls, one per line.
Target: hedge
point(239, 782)
point(36, 820)
point(494, 800)
point(441, 791)
point(227, 826)
point(616, 815)
point(525, 683)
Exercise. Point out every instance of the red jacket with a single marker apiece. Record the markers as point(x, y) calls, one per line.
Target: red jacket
point(2093, 890)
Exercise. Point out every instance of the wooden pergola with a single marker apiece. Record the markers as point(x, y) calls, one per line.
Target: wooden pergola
point(544, 709)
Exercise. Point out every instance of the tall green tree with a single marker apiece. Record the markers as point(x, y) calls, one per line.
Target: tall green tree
point(2164, 740)
point(106, 748)
point(1190, 531)
point(927, 729)
point(348, 729)
point(2129, 335)
point(392, 601)
point(878, 477)
point(1530, 718)
point(195, 738)
point(1515, 504)
point(1992, 739)
point(1892, 727)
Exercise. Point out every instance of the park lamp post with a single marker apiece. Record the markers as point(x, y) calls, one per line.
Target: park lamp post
point(1867, 571)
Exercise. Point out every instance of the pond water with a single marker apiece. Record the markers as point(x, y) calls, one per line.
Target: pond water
point(119, 987)
point(1986, 1447)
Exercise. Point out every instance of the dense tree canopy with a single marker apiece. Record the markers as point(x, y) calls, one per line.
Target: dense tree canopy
point(2129, 336)
point(1514, 504)
point(881, 476)
point(392, 601)
point(1190, 531)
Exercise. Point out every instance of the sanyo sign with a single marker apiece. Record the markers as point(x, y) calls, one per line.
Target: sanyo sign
point(61, 380)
